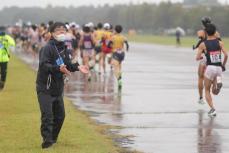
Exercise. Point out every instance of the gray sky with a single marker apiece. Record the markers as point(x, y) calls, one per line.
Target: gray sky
point(43, 3)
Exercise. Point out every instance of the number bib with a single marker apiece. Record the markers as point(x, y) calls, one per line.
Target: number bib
point(87, 45)
point(215, 57)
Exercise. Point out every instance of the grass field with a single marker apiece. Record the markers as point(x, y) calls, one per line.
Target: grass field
point(20, 120)
point(169, 40)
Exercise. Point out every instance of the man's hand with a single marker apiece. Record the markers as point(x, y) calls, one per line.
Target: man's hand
point(84, 69)
point(64, 70)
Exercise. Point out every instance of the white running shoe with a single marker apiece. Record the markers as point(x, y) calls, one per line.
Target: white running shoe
point(212, 113)
point(201, 101)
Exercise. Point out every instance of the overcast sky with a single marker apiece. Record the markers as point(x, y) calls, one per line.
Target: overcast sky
point(43, 3)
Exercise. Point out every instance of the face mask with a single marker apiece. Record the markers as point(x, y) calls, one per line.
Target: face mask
point(60, 37)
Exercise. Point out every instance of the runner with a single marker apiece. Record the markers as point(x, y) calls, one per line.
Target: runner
point(202, 35)
point(98, 41)
point(87, 44)
point(34, 40)
point(212, 48)
point(74, 29)
point(41, 30)
point(109, 55)
point(69, 41)
point(118, 41)
point(106, 47)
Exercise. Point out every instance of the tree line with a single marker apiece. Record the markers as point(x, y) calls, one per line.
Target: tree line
point(145, 18)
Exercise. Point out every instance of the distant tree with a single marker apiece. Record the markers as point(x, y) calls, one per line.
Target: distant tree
point(148, 18)
point(193, 2)
point(197, 2)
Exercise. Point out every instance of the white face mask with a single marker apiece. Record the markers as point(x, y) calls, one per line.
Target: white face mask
point(60, 37)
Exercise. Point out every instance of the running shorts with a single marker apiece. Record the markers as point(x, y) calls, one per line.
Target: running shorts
point(213, 71)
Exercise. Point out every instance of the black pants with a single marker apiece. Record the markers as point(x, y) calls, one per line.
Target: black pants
point(52, 116)
point(3, 70)
point(178, 40)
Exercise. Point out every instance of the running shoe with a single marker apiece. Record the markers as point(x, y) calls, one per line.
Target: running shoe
point(212, 113)
point(219, 85)
point(201, 101)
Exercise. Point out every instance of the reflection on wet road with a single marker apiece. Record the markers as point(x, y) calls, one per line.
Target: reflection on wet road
point(158, 106)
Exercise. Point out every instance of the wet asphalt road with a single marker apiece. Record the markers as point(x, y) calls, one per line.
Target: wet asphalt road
point(157, 108)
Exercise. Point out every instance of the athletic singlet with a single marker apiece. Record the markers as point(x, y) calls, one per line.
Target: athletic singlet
point(118, 42)
point(107, 36)
point(106, 42)
point(87, 42)
point(213, 52)
point(98, 36)
point(68, 41)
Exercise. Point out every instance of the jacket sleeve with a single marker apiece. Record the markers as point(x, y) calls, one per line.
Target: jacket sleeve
point(73, 67)
point(70, 66)
point(46, 57)
point(11, 42)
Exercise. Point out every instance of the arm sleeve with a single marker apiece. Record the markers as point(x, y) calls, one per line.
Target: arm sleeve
point(11, 42)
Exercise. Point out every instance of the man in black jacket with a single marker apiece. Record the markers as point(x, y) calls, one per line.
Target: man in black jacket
point(54, 63)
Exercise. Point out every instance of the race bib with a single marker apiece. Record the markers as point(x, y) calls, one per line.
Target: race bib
point(215, 57)
point(87, 44)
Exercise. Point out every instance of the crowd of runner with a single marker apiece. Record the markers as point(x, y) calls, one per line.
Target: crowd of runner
point(99, 44)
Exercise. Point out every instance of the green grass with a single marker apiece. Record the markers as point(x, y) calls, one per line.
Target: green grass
point(169, 40)
point(20, 120)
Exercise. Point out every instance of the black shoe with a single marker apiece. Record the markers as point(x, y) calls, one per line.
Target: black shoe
point(1, 85)
point(45, 145)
